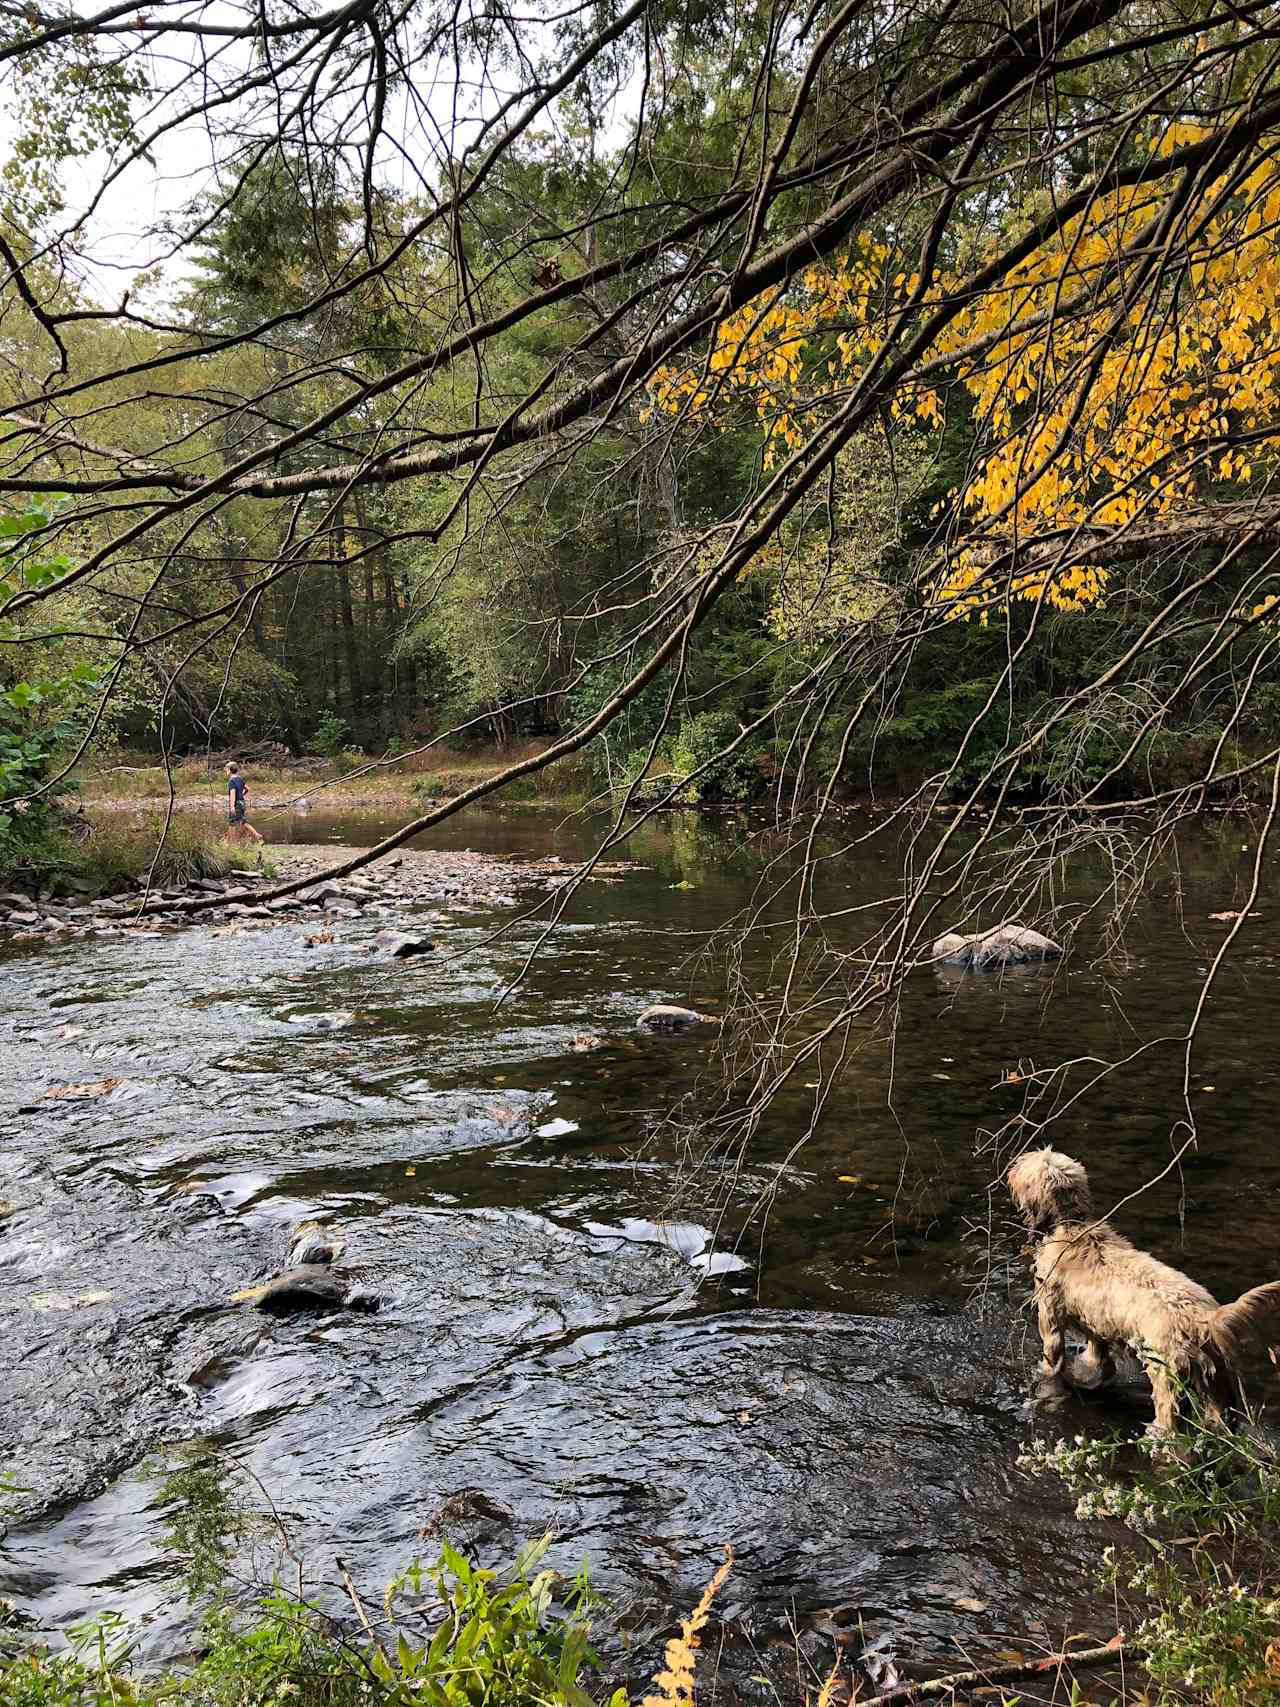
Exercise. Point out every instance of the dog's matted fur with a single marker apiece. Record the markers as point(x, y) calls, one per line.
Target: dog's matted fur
point(1091, 1280)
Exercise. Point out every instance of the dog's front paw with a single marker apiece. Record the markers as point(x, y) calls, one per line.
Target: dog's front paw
point(1049, 1392)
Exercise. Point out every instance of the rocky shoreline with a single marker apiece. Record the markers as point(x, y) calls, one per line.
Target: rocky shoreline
point(408, 877)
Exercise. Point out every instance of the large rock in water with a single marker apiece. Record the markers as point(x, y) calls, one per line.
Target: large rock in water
point(988, 951)
point(663, 1017)
point(308, 1287)
point(406, 947)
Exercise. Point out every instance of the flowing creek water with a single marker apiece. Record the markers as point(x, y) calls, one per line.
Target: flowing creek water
point(571, 1335)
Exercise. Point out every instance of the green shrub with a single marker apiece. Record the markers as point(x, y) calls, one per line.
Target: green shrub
point(445, 1634)
point(54, 856)
point(1199, 1592)
point(692, 766)
point(496, 1643)
point(181, 854)
point(34, 854)
point(332, 735)
point(697, 754)
point(347, 759)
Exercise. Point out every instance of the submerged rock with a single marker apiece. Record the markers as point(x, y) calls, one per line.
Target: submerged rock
point(338, 1021)
point(313, 1243)
point(312, 1286)
point(662, 1016)
point(1005, 945)
point(405, 947)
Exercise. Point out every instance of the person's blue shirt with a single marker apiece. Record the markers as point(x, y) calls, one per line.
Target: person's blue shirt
point(236, 786)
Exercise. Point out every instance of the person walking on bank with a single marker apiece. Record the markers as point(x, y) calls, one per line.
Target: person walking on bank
point(237, 789)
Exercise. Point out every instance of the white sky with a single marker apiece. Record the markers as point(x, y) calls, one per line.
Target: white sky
point(126, 233)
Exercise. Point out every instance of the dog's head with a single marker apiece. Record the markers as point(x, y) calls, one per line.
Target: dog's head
point(1048, 1188)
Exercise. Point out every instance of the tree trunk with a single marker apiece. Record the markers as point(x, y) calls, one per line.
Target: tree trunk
point(351, 648)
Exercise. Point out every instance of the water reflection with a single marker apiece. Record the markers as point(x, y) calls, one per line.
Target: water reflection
point(573, 1323)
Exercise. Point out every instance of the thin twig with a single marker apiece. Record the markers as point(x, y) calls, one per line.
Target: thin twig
point(997, 1674)
point(361, 1614)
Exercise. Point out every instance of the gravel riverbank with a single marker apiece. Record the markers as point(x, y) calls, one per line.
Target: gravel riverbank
point(407, 877)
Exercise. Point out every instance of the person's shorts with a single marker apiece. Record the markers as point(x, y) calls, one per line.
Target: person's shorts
point(236, 817)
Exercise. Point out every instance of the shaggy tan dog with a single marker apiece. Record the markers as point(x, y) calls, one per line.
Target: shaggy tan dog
point(1091, 1280)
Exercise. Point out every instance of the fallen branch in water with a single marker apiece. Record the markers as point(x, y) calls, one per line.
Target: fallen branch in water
point(996, 1674)
point(354, 1597)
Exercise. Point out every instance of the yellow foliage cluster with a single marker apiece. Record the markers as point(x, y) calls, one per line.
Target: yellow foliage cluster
point(759, 350)
point(675, 1682)
point(1118, 372)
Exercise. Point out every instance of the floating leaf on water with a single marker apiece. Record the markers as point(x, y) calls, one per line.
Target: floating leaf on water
point(849, 1179)
point(68, 1093)
point(247, 1294)
point(411, 1170)
point(965, 1604)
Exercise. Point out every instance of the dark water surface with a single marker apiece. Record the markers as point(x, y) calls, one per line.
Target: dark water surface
point(571, 1324)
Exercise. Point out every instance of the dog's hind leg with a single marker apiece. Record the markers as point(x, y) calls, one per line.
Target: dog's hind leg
point(1164, 1391)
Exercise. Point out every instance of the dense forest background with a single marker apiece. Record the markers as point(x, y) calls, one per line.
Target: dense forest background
point(919, 373)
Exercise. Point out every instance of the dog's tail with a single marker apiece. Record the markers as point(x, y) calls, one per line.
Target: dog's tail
point(1251, 1324)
